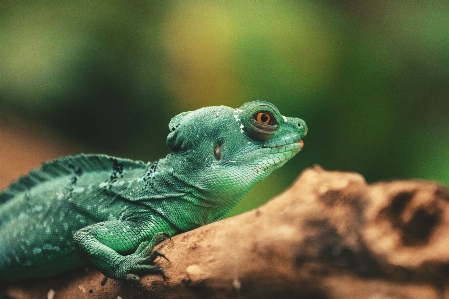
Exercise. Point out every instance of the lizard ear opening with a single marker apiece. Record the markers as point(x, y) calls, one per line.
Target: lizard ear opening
point(218, 151)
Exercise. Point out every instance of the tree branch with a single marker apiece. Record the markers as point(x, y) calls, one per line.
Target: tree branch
point(328, 236)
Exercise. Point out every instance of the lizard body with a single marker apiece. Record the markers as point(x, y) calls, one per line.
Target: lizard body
point(106, 211)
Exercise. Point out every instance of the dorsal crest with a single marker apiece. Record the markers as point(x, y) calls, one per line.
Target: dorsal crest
point(72, 165)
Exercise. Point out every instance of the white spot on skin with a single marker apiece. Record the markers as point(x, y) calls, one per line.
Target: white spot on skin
point(50, 247)
point(285, 119)
point(102, 185)
point(78, 190)
point(217, 114)
point(119, 183)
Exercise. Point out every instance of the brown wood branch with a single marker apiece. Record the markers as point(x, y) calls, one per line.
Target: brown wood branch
point(328, 236)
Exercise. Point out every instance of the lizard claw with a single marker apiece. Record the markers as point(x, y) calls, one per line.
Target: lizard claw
point(154, 254)
point(103, 282)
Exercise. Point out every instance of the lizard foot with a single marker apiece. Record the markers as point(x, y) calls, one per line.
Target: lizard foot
point(141, 260)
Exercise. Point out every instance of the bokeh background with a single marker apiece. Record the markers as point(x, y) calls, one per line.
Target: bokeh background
point(371, 79)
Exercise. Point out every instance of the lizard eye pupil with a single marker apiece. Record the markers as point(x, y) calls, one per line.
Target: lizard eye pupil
point(264, 118)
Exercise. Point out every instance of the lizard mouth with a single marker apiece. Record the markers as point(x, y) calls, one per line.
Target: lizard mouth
point(300, 142)
point(280, 150)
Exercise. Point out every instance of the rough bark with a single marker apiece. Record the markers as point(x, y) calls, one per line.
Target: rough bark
point(328, 236)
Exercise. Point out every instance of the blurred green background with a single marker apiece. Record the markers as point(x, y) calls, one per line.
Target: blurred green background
point(370, 78)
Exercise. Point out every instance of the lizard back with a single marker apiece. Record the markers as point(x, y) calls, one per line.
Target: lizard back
point(72, 167)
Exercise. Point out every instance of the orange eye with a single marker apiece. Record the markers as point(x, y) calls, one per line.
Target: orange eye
point(263, 118)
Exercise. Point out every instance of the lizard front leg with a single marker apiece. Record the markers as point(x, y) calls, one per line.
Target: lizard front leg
point(101, 244)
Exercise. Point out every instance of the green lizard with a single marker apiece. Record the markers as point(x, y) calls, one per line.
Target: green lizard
point(108, 211)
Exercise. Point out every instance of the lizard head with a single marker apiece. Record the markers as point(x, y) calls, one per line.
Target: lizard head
point(225, 151)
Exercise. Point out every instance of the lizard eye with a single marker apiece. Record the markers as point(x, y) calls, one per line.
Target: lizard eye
point(259, 120)
point(263, 125)
point(265, 118)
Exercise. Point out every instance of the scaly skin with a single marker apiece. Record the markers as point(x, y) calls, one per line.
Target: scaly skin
point(106, 211)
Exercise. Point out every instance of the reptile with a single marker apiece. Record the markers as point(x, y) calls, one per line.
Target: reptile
point(110, 212)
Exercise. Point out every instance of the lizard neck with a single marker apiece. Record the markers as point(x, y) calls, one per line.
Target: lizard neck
point(196, 203)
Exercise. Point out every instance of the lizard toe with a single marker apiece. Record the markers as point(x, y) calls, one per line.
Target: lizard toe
point(154, 254)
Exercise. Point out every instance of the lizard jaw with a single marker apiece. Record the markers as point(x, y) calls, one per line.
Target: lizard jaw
point(280, 150)
point(283, 143)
